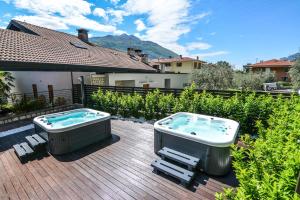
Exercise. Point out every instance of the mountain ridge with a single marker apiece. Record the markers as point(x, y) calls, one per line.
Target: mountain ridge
point(122, 42)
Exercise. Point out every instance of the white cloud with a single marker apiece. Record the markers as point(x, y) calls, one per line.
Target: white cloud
point(212, 54)
point(61, 7)
point(140, 26)
point(117, 15)
point(197, 46)
point(213, 33)
point(100, 12)
point(115, 2)
point(47, 21)
point(60, 14)
point(167, 20)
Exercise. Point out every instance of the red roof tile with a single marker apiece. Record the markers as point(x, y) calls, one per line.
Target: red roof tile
point(47, 46)
point(273, 63)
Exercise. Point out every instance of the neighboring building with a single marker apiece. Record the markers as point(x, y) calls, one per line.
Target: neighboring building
point(279, 67)
point(157, 80)
point(177, 65)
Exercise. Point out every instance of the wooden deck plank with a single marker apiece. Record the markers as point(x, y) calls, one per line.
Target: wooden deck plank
point(117, 170)
point(35, 185)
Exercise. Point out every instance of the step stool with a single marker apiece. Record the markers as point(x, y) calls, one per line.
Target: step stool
point(37, 143)
point(187, 160)
point(23, 151)
point(185, 176)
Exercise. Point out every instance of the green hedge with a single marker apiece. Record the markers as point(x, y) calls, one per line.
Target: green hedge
point(268, 168)
point(245, 108)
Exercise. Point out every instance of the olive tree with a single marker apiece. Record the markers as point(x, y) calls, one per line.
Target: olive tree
point(214, 76)
point(252, 80)
point(294, 73)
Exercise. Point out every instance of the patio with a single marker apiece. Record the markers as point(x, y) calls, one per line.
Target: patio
point(118, 169)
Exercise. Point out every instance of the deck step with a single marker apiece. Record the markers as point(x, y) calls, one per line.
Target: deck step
point(170, 169)
point(190, 161)
point(23, 151)
point(36, 142)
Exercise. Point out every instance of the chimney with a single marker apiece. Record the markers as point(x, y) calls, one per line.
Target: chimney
point(180, 56)
point(138, 52)
point(170, 56)
point(130, 51)
point(144, 58)
point(197, 57)
point(83, 34)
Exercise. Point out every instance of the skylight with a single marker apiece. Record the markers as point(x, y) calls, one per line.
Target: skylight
point(78, 45)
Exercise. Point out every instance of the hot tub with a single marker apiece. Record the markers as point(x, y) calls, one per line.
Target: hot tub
point(71, 130)
point(205, 137)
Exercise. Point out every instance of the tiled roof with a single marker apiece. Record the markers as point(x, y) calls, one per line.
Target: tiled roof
point(273, 63)
point(177, 59)
point(53, 47)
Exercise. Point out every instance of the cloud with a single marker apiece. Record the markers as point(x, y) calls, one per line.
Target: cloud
point(212, 54)
point(100, 12)
point(60, 14)
point(115, 2)
point(197, 46)
point(117, 16)
point(167, 20)
point(140, 26)
point(213, 33)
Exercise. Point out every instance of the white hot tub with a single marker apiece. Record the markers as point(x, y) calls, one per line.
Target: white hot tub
point(205, 137)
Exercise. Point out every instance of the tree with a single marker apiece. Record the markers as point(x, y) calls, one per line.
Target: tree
point(294, 73)
point(214, 76)
point(6, 83)
point(252, 80)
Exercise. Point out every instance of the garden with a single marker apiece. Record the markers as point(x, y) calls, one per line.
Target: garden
point(266, 165)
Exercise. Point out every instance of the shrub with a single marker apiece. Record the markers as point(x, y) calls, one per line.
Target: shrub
point(268, 169)
point(246, 108)
point(151, 104)
point(60, 101)
point(26, 104)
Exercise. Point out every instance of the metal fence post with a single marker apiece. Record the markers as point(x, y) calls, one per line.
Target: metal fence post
point(83, 99)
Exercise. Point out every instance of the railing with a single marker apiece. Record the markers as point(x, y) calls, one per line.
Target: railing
point(27, 102)
point(89, 89)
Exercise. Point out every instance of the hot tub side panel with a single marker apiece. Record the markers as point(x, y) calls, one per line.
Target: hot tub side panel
point(71, 140)
point(213, 160)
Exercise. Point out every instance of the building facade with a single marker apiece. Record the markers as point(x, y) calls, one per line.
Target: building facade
point(177, 65)
point(279, 67)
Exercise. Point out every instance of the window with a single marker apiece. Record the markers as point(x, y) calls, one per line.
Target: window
point(286, 69)
point(168, 64)
point(285, 78)
point(195, 65)
point(199, 65)
point(179, 64)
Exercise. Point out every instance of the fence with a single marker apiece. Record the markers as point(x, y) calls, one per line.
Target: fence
point(89, 89)
point(34, 101)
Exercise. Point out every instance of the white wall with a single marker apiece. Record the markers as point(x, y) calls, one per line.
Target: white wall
point(154, 80)
point(60, 80)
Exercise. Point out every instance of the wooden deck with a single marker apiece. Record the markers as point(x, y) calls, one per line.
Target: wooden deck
point(118, 169)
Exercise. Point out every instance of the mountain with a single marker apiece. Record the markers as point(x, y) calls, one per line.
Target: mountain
point(292, 57)
point(122, 42)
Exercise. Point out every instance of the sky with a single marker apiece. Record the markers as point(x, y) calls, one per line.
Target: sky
point(237, 31)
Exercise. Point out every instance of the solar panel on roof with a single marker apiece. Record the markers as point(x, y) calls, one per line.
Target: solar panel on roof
point(78, 45)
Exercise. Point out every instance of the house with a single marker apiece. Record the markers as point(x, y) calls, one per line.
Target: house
point(279, 67)
point(177, 65)
point(42, 59)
